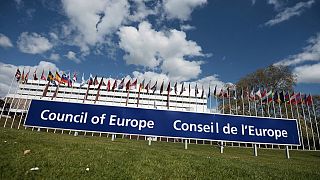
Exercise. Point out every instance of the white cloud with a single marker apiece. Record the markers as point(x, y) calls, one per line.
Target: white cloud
point(72, 56)
point(308, 73)
point(94, 20)
point(33, 43)
point(153, 76)
point(54, 57)
point(187, 27)
point(149, 48)
point(211, 81)
point(310, 53)
point(5, 41)
point(7, 72)
point(277, 4)
point(287, 13)
point(181, 9)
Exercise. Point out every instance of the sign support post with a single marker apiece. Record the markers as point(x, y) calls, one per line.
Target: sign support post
point(287, 152)
point(255, 150)
point(185, 144)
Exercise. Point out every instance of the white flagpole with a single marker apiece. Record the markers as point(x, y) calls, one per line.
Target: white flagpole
point(249, 103)
point(285, 104)
point(24, 105)
point(255, 104)
point(262, 111)
point(229, 96)
point(298, 114)
point(242, 99)
point(305, 122)
point(292, 115)
point(17, 105)
point(236, 99)
point(314, 142)
point(216, 97)
point(5, 101)
point(315, 118)
point(223, 103)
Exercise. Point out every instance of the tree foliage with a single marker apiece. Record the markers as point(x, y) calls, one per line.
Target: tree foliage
point(274, 77)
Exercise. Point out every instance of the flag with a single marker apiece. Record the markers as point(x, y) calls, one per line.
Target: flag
point(128, 85)
point(161, 87)
point(196, 91)
point(189, 89)
point(182, 89)
point(114, 85)
point(258, 94)
point(292, 99)
point(252, 95)
point(168, 88)
point(17, 75)
point(57, 77)
point(42, 75)
point(148, 86)
point(35, 75)
point(276, 97)
point(227, 93)
point(121, 85)
point(108, 85)
point(26, 77)
point(22, 76)
point(74, 77)
point(98, 92)
point(202, 94)
point(64, 79)
point(263, 93)
point(154, 87)
point(83, 81)
point(209, 92)
point(221, 94)
point(95, 81)
point(215, 91)
point(90, 80)
point(308, 100)
point(141, 85)
point(281, 97)
point(267, 97)
point(287, 97)
point(176, 88)
point(134, 84)
point(50, 77)
point(69, 80)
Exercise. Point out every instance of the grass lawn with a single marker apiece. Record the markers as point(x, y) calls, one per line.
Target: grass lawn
point(68, 157)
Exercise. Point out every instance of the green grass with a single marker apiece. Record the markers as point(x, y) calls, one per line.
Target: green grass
point(67, 157)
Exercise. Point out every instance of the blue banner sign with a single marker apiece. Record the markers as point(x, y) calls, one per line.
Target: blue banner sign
point(165, 123)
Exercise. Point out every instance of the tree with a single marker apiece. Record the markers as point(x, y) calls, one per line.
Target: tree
point(274, 77)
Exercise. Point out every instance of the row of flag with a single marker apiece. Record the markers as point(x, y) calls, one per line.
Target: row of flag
point(260, 95)
point(265, 96)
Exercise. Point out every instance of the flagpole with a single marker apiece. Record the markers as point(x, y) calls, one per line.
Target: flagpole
point(18, 103)
point(243, 113)
point(292, 116)
point(285, 104)
point(5, 101)
point(305, 122)
point(223, 103)
point(298, 114)
point(314, 142)
point(216, 98)
point(236, 99)
point(262, 111)
point(24, 106)
point(249, 103)
point(315, 118)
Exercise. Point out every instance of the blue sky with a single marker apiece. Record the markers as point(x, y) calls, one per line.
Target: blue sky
point(209, 42)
